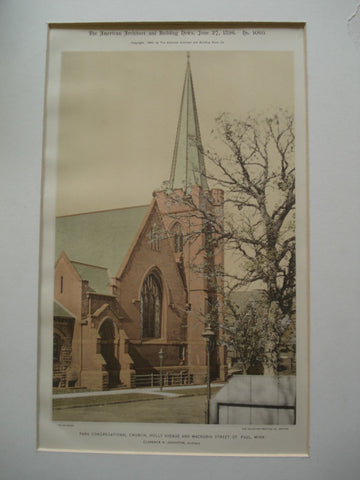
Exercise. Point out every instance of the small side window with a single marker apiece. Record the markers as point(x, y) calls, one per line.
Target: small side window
point(178, 238)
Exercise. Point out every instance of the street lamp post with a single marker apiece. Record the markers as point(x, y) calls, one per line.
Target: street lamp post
point(209, 336)
point(161, 357)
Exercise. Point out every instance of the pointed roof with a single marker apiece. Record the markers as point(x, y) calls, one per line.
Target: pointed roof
point(62, 312)
point(98, 238)
point(188, 166)
point(98, 277)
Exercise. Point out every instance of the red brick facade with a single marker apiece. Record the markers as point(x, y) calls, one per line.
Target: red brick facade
point(106, 346)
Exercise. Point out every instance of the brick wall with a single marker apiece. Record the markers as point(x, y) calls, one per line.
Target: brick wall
point(64, 329)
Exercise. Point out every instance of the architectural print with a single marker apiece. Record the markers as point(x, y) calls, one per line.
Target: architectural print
point(143, 295)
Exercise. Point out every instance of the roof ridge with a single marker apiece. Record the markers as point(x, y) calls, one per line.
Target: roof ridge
point(102, 211)
point(88, 265)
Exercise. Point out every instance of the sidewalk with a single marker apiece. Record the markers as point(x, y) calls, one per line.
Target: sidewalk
point(151, 391)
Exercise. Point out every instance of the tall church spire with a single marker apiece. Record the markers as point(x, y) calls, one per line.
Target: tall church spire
point(188, 166)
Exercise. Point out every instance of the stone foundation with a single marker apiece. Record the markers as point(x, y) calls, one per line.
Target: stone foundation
point(94, 380)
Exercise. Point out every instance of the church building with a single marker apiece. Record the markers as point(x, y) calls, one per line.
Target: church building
point(132, 292)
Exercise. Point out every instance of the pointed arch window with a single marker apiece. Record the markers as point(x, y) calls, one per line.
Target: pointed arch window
point(178, 238)
point(151, 303)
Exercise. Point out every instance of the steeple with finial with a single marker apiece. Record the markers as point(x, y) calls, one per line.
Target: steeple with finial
point(188, 166)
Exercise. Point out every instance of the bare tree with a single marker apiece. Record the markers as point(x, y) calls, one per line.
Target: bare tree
point(258, 177)
point(255, 168)
point(243, 334)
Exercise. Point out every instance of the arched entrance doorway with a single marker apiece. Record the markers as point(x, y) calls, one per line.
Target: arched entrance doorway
point(108, 351)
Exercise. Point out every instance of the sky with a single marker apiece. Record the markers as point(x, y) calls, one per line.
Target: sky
point(119, 111)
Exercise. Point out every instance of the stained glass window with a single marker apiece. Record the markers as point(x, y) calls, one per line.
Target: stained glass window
point(151, 301)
